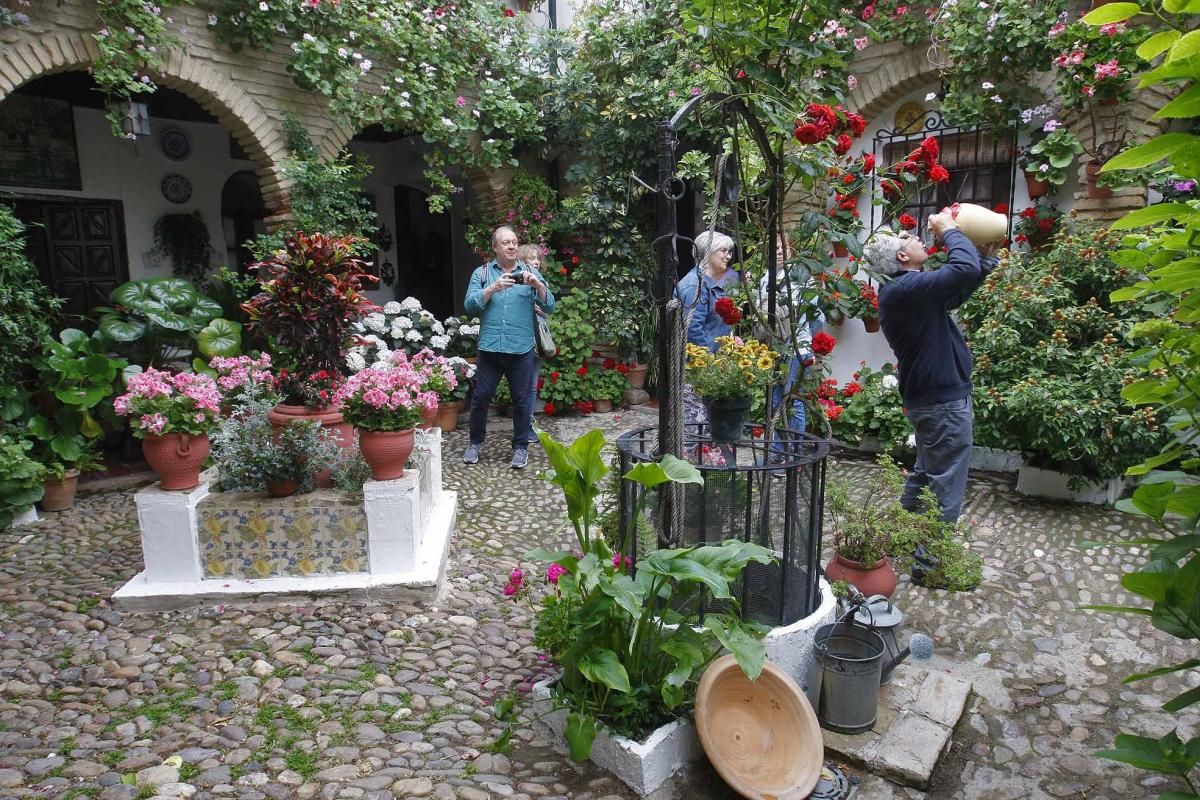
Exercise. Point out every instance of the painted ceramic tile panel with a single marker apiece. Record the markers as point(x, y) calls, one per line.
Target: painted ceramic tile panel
point(245, 535)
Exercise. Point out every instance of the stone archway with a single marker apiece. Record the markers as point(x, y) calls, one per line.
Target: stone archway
point(32, 56)
point(886, 72)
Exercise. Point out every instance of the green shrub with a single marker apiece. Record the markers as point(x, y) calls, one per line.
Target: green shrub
point(27, 307)
point(20, 479)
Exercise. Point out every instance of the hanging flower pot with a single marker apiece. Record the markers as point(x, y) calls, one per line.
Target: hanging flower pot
point(60, 494)
point(1093, 191)
point(870, 579)
point(840, 250)
point(284, 488)
point(1036, 187)
point(871, 324)
point(727, 417)
point(386, 451)
point(176, 458)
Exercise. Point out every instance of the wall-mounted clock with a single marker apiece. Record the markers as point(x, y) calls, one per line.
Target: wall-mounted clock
point(910, 118)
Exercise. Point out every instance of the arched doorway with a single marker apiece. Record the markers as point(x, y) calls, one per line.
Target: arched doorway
point(243, 216)
point(424, 256)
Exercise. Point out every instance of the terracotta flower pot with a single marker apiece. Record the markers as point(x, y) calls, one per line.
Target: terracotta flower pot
point(330, 418)
point(60, 495)
point(386, 451)
point(1035, 187)
point(637, 375)
point(177, 458)
point(602, 406)
point(428, 418)
point(840, 250)
point(871, 324)
point(282, 488)
point(447, 416)
point(1092, 169)
point(877, 578)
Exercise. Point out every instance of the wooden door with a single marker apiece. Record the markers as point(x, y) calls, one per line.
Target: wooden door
point(78, 247)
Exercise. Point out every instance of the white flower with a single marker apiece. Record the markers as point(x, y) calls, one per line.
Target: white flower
point(355, 361)
point(342, 52)
point(890, 381)
point(263, 7)
point(449, 123)
point(1051, 125)
point(997, 98)
point(929, 98)
point(392, 308)
point(410, 304)
point(426, 316)
point(452, 321)
point(912, 440)
point(212, 20)
point(403, 323)
point(987, 85)
point(439, 342)
point(413, 336)
point(365, 66)
point(437, 327)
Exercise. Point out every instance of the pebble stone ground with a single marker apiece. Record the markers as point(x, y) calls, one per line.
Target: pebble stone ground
point(369, 699)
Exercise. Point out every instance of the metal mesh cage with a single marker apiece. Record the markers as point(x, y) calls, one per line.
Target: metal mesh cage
point(766, 491)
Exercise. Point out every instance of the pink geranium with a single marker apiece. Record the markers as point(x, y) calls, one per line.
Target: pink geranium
point(164, 403)
point(389, 398)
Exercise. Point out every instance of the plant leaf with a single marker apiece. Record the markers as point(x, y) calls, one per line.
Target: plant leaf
point(579, 733)
point(1112, 12)
point(221, 337)
point(601, 665)
point(748, 650)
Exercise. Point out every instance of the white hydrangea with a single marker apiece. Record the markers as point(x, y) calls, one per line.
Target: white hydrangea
point(413, 336)
point(410, 304)
point(890, 381)
point(376, 322)
point(403, 323)
point(437, 327)
point(425, 315)
point(355, 361)
point(469, 330)
point(392, 307)
point(439, 342)
point(452, 321)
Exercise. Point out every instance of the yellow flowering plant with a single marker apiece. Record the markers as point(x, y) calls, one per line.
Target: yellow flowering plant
point(736, 369)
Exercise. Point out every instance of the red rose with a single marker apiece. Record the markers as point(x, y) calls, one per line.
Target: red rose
point(808, 134)
point(1001, 208)
point(868, 162)
point(727, 311)
point(909, 165)
point(610, 363)
point(890, 188)
point(823, 344)
point(907, 221)
point(824, 116)
point(549, 408)
point(848, 179)
point(938, 174)
point(508, 12)
point(1044, 225)
point(929, 149)
point(581, 371)
point(843, 145)
point(857, 124)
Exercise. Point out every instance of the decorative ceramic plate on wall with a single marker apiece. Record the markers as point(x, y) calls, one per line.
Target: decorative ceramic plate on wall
point(176, 188)
point(175, 144)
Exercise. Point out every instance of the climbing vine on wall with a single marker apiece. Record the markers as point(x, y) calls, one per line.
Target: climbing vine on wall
point(133, 40)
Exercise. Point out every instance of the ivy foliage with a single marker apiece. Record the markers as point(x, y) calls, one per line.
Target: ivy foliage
point(27, 307)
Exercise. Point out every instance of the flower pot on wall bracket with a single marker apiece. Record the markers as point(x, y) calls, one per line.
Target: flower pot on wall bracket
point(1093, 191)
point(1035, 187)
point(871, 324)
point(840, 250)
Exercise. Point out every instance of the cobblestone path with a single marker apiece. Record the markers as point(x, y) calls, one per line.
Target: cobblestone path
point(373, 700)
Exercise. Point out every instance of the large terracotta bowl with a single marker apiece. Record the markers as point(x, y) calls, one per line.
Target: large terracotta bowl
point(761, 736)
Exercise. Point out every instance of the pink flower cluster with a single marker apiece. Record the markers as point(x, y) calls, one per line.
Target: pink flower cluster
point(237, 374)
point(516, 582)
point(166, 403)
point(1066, 59)
point(1109, 69)
point(554, 572)
point(438, 372)
point(389, 388)
point(619, 560)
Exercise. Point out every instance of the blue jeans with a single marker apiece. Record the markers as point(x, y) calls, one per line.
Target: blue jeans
point(521, 371)
point(944, 435)
point(798, 418)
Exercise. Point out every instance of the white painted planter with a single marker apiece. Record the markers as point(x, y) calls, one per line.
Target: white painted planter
point(646, 765)
point(25, 517)
point(643, 766)
point(1054, 485)
point(994, 459)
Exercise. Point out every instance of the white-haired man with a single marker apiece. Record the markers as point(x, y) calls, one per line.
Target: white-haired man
point(933, 361)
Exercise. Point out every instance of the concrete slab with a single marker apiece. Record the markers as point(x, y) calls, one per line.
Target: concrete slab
point(917, 713)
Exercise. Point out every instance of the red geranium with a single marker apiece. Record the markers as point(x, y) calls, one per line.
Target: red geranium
point(727, 311)
point(581, 371)
point(741, 75)
point(554, 376)
point(1029, 213)
point(610, 363)
point(584, 406)
point(575, 260)
point(549, 408)
point(541, 382)
point(827, 389)
point(562, 270)
point(1044, 225)
point(823, 344)
point(1001, 208)
point(852, 389)
point(508, 12)
point(833, 412)
point(623, 368)
point(907, 221)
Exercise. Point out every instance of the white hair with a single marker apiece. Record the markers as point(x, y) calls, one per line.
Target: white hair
point(708, 243)
point(496, 233)
point(881, 251)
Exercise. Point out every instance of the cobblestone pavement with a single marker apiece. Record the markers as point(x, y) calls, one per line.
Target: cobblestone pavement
point(372, 700)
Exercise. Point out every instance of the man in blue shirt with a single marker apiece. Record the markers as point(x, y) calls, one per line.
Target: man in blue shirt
point(503, 292)
point(933, 362)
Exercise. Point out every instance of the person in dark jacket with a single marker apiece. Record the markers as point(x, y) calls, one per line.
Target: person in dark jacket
point(933, 362)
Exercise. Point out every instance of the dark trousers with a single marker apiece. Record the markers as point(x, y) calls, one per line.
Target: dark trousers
point(520, 369)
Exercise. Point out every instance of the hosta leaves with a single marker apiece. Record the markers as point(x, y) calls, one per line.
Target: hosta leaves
point(579, 733)
point(601, 665)
point(221, 337)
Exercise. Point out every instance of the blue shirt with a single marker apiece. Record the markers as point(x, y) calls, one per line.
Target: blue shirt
point(506, 319)
point(704, 323)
